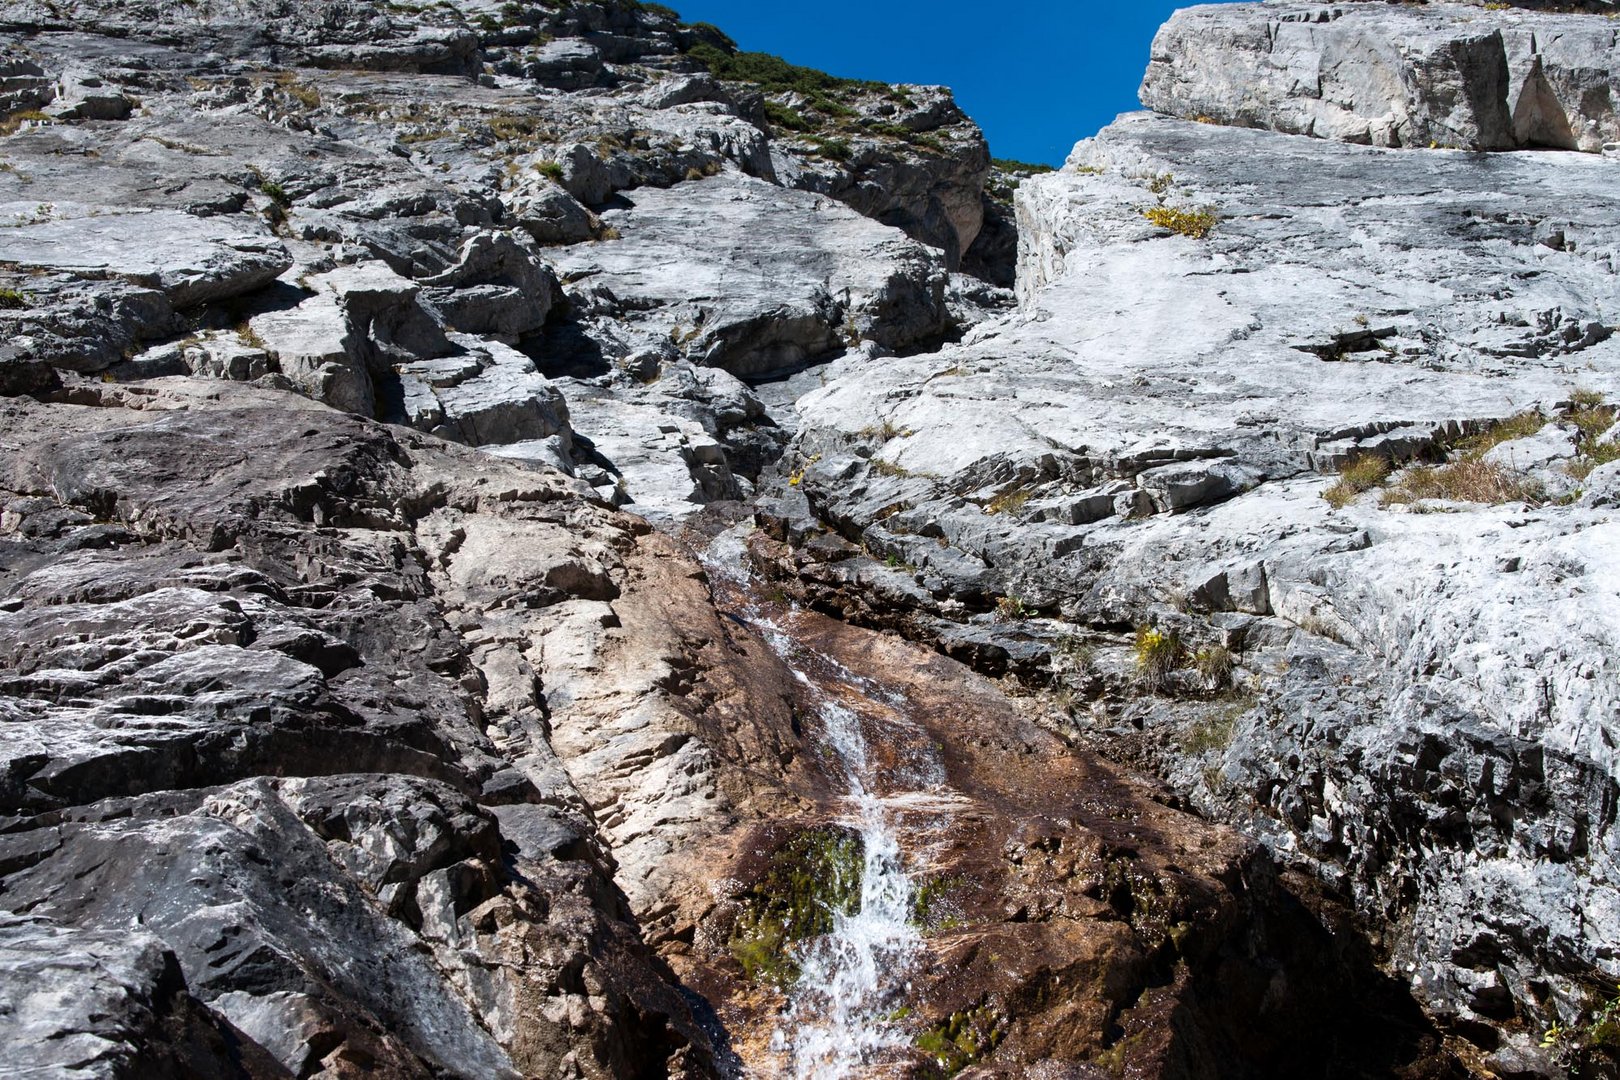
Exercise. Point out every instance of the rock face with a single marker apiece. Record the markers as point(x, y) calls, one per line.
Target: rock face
point(1444, 75)
point(1423, 703)
point(372, 206)
point(1287, 474)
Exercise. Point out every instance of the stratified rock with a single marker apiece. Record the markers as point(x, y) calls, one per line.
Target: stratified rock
point(1393, 75)
point(1146, 443)
point(745, 276)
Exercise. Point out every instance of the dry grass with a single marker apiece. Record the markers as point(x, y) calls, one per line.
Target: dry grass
point(1356, 476)
point(1009, 502)
point(1158, 653)
point(1469, 479)
point(1522, 426)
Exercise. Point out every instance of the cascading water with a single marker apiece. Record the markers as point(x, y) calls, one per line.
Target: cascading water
point(843, 1010)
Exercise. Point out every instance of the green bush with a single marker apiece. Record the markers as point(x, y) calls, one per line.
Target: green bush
point(12, 300)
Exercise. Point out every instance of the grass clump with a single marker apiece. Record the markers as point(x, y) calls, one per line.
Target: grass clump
point(11, 123)
point(1592, 420)
point(809, 881)
point(1215, 665)
point(1009, 502)
point(1209, 733)
point(1358, 475)
point(13, 300)
point(1470, 479)
point(1196, 224)
point(1158, 654)
point(1522, 426)
point(551, 170)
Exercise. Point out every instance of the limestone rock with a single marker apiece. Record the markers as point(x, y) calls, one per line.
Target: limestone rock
point(1441, 74)
point(1149, 438)
point(693, 267)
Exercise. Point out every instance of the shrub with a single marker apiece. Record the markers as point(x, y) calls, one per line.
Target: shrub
point(783, 117)
point(277, 193)
point(12, 300)
point(1011, 609)
point(1196, 224)
point(773, 73)
point(551, 170)
point(1357, 475)
point(1158, 653)
point(1020, 168)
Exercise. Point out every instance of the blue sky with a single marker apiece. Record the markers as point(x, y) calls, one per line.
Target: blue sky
point(1038, 75)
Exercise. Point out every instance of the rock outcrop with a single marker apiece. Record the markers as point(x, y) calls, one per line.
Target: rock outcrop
point(1405, 684)
point(1448, 75)
point(355, 727)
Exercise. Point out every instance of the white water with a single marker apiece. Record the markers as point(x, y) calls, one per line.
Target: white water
point(842, 1012)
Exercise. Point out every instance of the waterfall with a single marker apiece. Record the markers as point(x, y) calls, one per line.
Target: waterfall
point(842, 1010)
point(845, 1008)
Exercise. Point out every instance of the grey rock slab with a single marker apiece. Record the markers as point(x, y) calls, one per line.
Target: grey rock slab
point(1393, 75)
point(745, 276)
point(190, 259)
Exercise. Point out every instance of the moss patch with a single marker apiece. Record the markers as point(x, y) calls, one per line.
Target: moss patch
point(807, 883)
point(963, 1039)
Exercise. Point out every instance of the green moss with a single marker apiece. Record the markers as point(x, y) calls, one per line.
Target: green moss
point(963, 1039)
point(931, 907)
point(810, 880)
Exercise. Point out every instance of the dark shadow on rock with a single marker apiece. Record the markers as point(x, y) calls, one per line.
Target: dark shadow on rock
point(565, 349)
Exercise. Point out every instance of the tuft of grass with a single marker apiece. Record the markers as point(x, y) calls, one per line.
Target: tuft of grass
point(551, 170)
point(1009, 502)
point(888, 468)
point(1522, 426)
point(1209, 733)
point(1196, 224)
point(1357, 475)
point(1158, 654)
point(1215, 665)
point(1469, 479)
point(276, 193)
point(13, 300)
point(11, 123)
